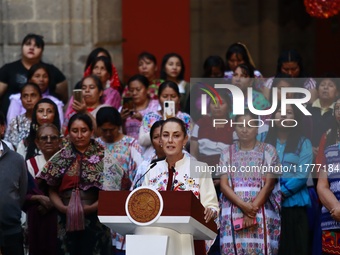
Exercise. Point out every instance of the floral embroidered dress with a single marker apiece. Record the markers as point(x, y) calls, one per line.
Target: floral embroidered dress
point(113, 172)
point(66, 170)
point(141, 170)
point(264, 237)
point(132, 125)
point(330, 227)
point(64, 163)
point(150, 118)
point(18, 129)
point(144, 166)
point(127, 153)
point(185, 179)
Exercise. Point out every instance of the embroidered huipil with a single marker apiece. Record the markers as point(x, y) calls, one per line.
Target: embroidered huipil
point(264, 237)
point(189, 176)
point(132, 125)
point(127, 153)
point(18, 129)
point(65, 164)
point(332, 157)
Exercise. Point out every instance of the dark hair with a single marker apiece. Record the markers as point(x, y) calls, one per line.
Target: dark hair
point(31, 84)
point(290, 56)
point(108, 115)
point(155, 125)
point(94, 53)
point(247, 69)
point(2, 118)
point(277, 79)
point(168, 84)
point(328, 76)
point(96, 81)
point(247, 112)
point(106, 61)
point(47, 125)
point(238, 49)
point(332, 133)
point(210, 62)
point(294, 135)
point(281, 77)
point(35, 68)
point(39, 40)
point(178, 121)
point(56, 121)
point(147, 55)
point(141, 78)
point(83, 117)
point(163, 74)
point(224, 95)
point(31, 146)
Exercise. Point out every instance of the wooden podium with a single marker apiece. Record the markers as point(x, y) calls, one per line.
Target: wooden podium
point(173, 232)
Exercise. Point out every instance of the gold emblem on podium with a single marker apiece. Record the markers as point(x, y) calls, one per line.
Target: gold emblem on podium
point(144, 205)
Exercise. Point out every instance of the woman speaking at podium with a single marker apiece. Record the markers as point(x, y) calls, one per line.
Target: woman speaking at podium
point(175, 174)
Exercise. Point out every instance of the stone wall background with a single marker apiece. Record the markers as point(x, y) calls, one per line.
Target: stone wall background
point(71, 29)
point(266, 27)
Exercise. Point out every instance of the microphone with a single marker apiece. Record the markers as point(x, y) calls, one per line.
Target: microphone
point(153, 163)
point(173, 179)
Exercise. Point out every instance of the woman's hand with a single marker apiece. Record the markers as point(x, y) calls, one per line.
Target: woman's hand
point(125, 113)
point(56, 200)
point(335, 213)
point(249, 209)
point(79, 107)
point(137, 115)
point(248, 221)
point(89, 209)
point(45, 202)
point(209, 214)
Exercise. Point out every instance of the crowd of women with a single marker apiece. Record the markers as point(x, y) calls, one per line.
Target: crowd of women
point(107, 137)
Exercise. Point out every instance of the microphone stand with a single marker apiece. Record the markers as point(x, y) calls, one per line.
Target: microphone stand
point(153, 163)
point(173, 179)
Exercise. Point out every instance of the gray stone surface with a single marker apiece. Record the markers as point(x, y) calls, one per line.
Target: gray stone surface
point(71, 29)
point(48, 10)
point(20, 9)
point(266, 27)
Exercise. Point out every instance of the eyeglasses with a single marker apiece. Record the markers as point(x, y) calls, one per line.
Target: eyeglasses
point(52, 138)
